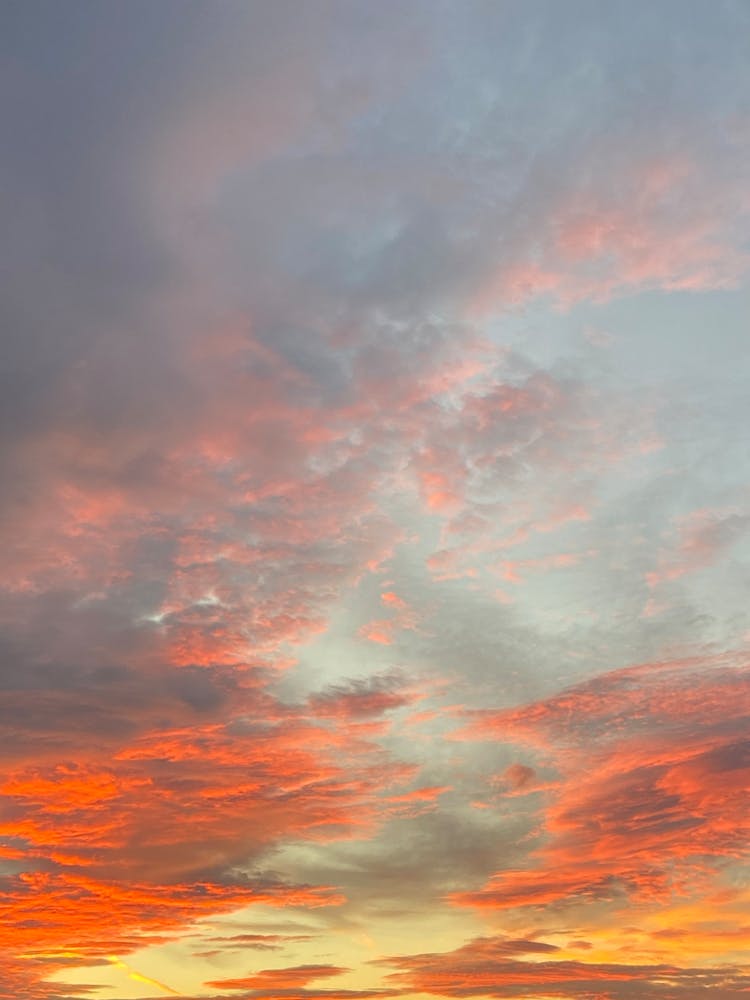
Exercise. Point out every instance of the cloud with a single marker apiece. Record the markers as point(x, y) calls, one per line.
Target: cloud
point(291, 983)
point(518, 778)
point(654, 767)
point(281, 979)
point(704, 536)
point(497, 967)
point(383, 630)
point(366, 697)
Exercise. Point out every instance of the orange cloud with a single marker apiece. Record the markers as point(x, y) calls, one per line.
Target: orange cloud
point(506, 968)
point(383, 630)
point(654, 769)
point(281, 979)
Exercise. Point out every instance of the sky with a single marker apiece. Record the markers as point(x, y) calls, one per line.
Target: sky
point(375, 499)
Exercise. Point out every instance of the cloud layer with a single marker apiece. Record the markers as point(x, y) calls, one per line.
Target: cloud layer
point(374, 500)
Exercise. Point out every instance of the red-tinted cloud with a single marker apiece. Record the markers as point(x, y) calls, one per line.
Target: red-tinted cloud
point(655, 771)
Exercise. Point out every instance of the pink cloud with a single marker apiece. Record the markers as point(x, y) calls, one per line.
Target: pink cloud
point(703, 537)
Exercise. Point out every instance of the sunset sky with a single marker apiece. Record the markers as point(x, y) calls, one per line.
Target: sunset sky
point(375, 499)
